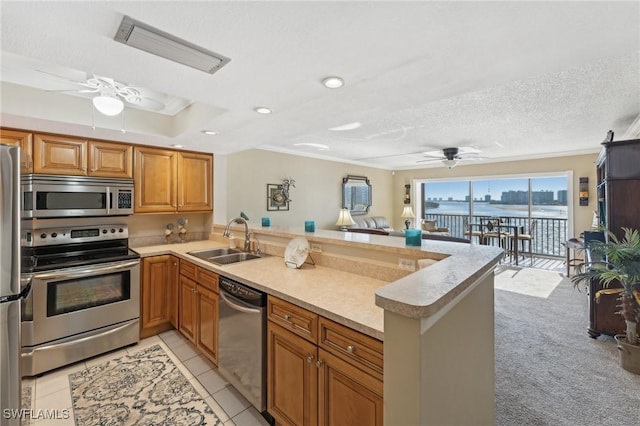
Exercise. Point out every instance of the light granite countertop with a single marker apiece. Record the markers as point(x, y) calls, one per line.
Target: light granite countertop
point(350, 299)
point(346, 298)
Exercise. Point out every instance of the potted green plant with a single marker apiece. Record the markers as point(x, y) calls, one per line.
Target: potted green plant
point(618, 260)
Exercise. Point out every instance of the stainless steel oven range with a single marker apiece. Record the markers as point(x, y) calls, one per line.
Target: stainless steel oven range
point(84, 298)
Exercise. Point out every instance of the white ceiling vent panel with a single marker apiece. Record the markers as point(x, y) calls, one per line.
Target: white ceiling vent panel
point(152, 40)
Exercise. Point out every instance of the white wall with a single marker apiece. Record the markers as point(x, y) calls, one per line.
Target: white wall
point(317, 195)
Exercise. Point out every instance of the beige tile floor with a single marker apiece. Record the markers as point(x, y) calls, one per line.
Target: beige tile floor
point(51, 391)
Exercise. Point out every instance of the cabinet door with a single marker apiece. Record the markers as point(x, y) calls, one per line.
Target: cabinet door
point(156, 298)
point(174, 292)
point(622, 210)
point(25, 141)
point(188, 308)
point(110, 159)
point(292, 378)
point(195, 182)
point(346, 394)
point(59, 155)
point(207, 334)
point(155, 187)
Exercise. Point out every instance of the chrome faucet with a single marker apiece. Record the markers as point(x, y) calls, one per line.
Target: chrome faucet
point(247, 234)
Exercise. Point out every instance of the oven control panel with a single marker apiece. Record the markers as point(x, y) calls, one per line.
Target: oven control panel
point(82, 234)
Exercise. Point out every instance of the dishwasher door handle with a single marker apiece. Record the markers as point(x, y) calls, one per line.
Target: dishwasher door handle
point(237, 307)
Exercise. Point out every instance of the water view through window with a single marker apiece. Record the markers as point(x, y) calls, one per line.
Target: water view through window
point(516, 201)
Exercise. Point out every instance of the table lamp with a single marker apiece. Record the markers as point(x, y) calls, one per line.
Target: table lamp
point(407, 214)
point(344, 219)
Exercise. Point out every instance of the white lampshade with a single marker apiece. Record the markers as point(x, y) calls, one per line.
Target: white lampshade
point(450, 163)
point(407, 212)
point(108, 105)
point(344, 218)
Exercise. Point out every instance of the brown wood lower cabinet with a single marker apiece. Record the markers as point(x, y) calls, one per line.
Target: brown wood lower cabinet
point(310, 384)
point(292, 377)
point(159, 295)
point(199, 308)
point(346, 394)
point(188, 308)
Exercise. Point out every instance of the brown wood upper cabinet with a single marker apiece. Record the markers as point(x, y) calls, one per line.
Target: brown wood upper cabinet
point(25, 141)
point(60, 155)
point(64, 155)
point(110, 159)
point(169, 181)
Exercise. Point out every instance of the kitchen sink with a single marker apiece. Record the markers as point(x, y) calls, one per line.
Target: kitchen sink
point(224, 256)
point(233, 258)
point(207, 254)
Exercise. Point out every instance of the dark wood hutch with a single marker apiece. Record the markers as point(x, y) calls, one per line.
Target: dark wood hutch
point(618, 190)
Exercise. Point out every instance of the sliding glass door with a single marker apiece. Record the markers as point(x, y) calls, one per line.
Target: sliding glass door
point(538, 205)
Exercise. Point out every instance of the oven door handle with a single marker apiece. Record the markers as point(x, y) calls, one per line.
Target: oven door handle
point(94, 270)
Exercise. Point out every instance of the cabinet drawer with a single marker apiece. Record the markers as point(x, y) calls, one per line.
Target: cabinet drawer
point(293, 318)
point(188, 269)
point(350, 345)
point(208, 279)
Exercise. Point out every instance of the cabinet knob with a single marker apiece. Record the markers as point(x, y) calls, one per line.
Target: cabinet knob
point(351, 348)
point(310, 359)
point(319, 363)
point(175, 263)
point(287, 318)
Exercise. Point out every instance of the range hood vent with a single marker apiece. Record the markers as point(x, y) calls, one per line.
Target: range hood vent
point(144, 37)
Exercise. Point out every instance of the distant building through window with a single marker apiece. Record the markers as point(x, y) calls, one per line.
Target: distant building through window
point(516, 200)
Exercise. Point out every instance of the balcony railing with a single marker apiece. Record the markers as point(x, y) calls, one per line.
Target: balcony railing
point(549, 233)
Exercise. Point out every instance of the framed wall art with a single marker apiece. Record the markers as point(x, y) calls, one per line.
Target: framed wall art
point(277, 200)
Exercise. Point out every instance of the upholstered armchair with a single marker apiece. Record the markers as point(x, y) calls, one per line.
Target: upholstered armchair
point(429, 227)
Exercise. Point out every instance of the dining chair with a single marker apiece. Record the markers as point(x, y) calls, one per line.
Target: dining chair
point(491, 232)
point(471, 230)
point(528, 237)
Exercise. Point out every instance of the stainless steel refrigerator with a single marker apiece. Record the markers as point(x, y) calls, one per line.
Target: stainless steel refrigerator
point(10, 291)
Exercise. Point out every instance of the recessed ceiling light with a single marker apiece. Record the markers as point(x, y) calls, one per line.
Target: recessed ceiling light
point(176, 145)
point(333, 82)
point(209, 132)
point(262, 110)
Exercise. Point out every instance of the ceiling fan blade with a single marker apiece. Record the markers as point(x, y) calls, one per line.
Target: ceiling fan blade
point(74, 91)
point(387, 156)
point(472, 157)
point(62, 79)
point(431, 160)
point(147, 103)
point(143, 92)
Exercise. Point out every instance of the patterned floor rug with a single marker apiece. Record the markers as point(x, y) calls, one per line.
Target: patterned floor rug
point(144, 388)
point(26, 397)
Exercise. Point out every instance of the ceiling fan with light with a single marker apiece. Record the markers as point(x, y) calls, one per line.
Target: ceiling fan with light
point(112, 94)
point(450, 157)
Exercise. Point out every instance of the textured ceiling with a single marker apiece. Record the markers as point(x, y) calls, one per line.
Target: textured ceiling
point(512, 79)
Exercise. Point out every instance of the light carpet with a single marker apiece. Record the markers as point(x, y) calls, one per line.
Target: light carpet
point(548, 371)
point(527, 281)
point(143, 388)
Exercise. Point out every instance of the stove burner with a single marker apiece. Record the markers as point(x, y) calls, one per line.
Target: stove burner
point(57, 248)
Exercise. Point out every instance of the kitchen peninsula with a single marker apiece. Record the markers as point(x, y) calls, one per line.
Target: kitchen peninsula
point(436, 321)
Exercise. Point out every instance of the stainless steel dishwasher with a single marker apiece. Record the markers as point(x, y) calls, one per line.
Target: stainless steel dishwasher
point(242, 340)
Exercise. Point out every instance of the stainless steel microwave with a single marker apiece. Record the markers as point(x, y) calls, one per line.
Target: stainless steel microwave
point(48, 196)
